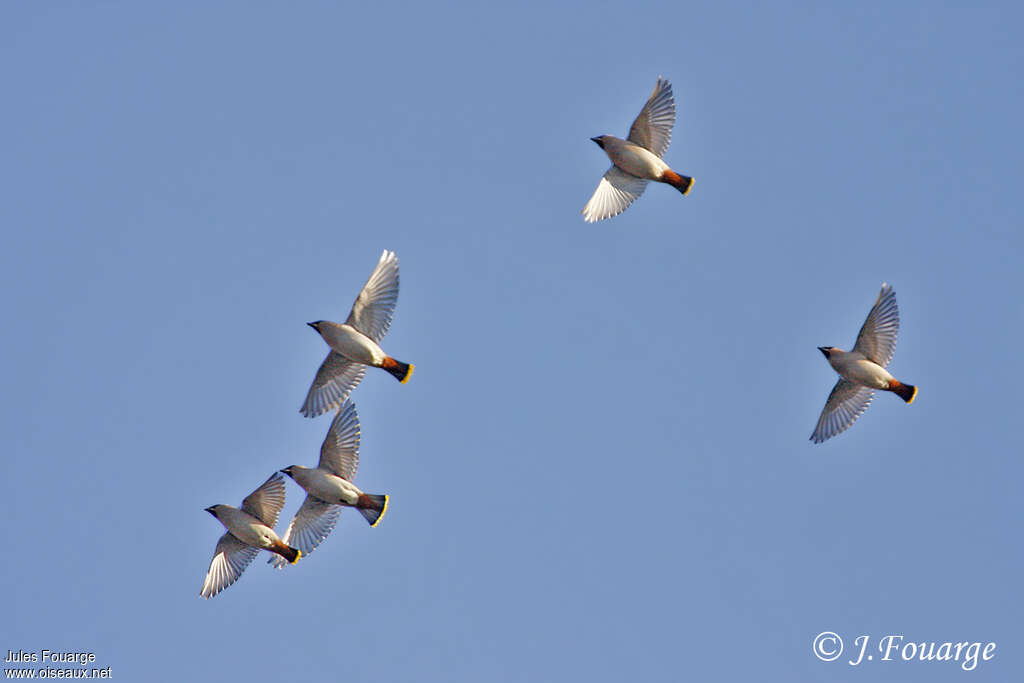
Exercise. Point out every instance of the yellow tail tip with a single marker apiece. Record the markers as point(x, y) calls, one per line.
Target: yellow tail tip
point(383, 510)
point(298, 555)
point(408, 374)
point(690, 186)
point(913, 396)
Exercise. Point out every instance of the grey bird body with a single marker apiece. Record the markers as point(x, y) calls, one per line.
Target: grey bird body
point(350, 343)
point(245, 527)
point(249, 530)
point(633, 158)
point(355, 344)
point(637, 159)
point(329, 487)
point(862, 370)
point(325, 485)
point(854, 366)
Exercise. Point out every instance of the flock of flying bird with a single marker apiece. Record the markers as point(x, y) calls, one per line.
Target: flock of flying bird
point(355, 345)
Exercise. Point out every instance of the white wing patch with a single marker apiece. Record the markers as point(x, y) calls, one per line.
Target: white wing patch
point(845, 404)
point(616, 191)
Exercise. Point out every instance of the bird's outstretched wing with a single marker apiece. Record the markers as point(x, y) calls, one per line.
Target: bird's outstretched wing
point(614, 194)
point(334, 381)
point(652, 129)
point(339, 453)
point(265, 503)
point(314, 522)
point(845, 404)
point(372, 311)
point(230, 559)
point(877, 338)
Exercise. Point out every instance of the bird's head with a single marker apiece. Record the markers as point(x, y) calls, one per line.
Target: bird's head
point(599, 140)
point(826, 350)
point(290, 471)
point(212, 510)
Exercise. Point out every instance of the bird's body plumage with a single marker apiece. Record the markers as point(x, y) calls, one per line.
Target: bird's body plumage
point(355, 344)
point(637, 159)
point(854, 366)
point(863, 369)
point(325, 485)
point(351, 343)
point(249, 530)
point(329, 486)
point(633, 159)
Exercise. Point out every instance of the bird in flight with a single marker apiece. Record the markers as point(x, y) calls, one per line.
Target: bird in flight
point(862, 370)
point(329, 487)
point(355, 343)
point(249, 530)
point(637, 159)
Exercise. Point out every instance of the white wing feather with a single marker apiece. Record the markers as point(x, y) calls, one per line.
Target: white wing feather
point(339, 453)
point(652, 129)
point(313, 522)
point(845, 404)
point(265, 503)
point(877, 338)
point(230, 559)
point(373, 308)
point(334, 381)
point(616, 191)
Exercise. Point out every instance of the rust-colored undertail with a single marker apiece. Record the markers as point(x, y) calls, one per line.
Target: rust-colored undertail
point(908, 392)
point(401, 371)
point(680, 182)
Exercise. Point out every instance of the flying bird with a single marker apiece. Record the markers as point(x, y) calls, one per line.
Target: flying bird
point(637, 159)
point(249, 530)
point(329, 487)
point(862, 370)
point(355, 344)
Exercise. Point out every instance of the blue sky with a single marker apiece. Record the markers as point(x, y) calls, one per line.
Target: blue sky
point(601, 468)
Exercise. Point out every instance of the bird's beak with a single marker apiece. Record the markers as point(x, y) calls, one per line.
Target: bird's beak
point(598, 141)
point(313, 325)
point(210, 510)
point(824, 350)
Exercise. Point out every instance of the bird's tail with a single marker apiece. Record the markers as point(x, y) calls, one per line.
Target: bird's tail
point(372, 507)
point(287, 552)
point(401, 371)
point(908, 392)
point(680, 182)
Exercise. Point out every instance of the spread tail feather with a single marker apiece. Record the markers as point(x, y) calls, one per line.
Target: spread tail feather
point(908, 392)
point(372, 507)
point(680, 182)
point(401, 371)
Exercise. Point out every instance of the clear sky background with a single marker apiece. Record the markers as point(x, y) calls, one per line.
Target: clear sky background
point(600, 469)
